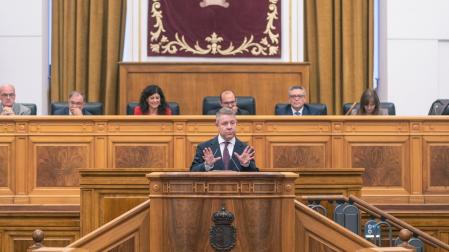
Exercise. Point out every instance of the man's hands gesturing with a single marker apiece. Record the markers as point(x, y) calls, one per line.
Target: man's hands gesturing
point(246, 156)
point(208, 157)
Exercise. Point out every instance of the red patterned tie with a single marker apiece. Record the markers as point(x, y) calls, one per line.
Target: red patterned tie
point(226, 156)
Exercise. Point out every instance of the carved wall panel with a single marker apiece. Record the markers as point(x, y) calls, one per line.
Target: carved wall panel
point(140, 152)
point(298, 156)
point(141, 156)
point(439, 165)
point(383, 164)
point(57, 166)
point(4, 165)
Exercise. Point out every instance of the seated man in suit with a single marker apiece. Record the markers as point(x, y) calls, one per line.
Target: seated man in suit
point(228, 100)
point(8, 105)
point(297, 103)
point(225, 151)
point(76, 105)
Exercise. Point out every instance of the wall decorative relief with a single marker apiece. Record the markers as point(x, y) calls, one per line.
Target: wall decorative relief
point(214, 28)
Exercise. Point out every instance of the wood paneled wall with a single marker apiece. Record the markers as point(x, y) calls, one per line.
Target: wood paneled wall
point(17, 223)
point(188, 83)
point(405, 158)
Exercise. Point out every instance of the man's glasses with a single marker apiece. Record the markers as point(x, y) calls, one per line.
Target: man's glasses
point(229, 103)
point(297, 96)
point(12, 95)
point(76, 103)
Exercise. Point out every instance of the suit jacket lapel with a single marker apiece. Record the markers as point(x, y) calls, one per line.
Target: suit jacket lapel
point(215, 147)
point(289, 110)
point(238, 147)
point(306, 110)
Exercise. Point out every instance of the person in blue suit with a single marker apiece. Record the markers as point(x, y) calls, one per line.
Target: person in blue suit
point(229, 100)
point(76, 105)
point(297, 103)
point(225, 151)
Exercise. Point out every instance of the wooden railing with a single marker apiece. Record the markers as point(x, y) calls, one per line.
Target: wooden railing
point(128, 232)
point(407, 231)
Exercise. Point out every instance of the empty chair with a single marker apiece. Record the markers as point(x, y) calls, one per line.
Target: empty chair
point(174, 107)
point(388, 106)
point(439, 107)
point(322, 108)
point(212, 103)
point(95, 108)
point(31, 106)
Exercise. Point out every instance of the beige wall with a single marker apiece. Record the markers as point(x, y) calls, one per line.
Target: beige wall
point(24, 49)
point(414, 54)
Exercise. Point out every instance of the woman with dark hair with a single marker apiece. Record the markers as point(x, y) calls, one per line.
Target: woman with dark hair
point(369, 104)
point(152, 102)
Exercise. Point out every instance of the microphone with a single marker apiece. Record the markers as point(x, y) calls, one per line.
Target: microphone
point(215, 152)
point(236, 166)
point(351, 108)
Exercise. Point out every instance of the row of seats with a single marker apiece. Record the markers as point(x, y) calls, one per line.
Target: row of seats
point(439, 107)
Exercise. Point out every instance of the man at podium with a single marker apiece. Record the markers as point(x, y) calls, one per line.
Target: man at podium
point(225, 151)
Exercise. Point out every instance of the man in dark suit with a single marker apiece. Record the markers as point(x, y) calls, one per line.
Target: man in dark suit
point(297, 103)
point(225, 151)
point(76, 105)
point(228, 100)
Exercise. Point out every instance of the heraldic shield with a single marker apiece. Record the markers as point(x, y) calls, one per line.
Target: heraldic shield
point(222, 235)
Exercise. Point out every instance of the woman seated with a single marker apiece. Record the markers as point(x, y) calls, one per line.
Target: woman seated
point(152, 102)
point(369, 104)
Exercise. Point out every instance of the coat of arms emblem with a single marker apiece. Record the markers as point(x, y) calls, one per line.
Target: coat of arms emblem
point(222, 235)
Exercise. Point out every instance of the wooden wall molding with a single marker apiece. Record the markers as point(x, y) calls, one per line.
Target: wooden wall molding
point(188, 83)
point(404, 157)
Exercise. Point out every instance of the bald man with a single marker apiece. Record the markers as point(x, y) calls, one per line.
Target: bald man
point(8, 104)
point(228, 100)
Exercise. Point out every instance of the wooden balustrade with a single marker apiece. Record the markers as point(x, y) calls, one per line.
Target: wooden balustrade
point(406, 230)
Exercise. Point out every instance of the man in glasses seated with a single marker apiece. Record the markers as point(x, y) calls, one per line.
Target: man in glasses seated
point(76, 105)
point(297, 103)
point(8, 104)
point(228, 100)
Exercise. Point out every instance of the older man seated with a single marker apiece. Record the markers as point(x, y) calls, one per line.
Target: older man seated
point(76, 105)
point(8, 105)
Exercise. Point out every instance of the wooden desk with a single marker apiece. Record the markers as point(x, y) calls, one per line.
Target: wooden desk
point(405, 158)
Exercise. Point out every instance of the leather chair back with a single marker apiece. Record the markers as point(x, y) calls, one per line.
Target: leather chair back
point(174, 106)
point(95, 108)
point(31, 106)
point(439, 107)
point(389, 106)
point(247, 103)
point(322, 108)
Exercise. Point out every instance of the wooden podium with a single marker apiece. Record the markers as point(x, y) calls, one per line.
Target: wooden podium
point(183, 203)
